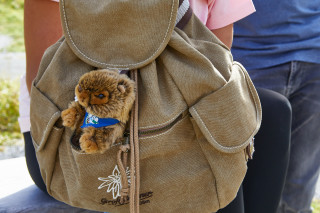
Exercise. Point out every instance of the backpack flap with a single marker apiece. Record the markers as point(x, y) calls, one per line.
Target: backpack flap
point(230, 116)
point(121, 35)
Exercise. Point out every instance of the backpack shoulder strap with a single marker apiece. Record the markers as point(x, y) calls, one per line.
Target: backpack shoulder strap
point(184, 14)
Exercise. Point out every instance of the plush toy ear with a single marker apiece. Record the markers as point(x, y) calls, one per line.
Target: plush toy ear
point(121, 88)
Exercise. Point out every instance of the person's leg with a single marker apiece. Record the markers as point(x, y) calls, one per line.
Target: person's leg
point(265, 178)
point(236, 206)
point(32, 162)
point(303, 172)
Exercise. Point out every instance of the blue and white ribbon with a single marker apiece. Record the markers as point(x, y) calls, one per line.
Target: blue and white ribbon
point(94, 121)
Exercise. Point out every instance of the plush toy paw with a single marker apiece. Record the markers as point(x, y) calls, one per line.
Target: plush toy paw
point(69, 117)
point(88, 145)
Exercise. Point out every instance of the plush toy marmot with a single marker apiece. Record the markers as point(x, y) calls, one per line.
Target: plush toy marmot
point(103, 102)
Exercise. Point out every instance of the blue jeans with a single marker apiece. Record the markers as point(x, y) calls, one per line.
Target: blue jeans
point(300, 83)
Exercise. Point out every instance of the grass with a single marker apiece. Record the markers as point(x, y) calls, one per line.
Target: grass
point(11, 23)
point(9, 112)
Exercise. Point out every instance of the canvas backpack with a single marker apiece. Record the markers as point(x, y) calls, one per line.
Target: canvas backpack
point(194, 119)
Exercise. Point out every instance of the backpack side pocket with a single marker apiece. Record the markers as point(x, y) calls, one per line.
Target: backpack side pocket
point(45, 132)
point(225, 122)
point(228, 169)
point(230, 116)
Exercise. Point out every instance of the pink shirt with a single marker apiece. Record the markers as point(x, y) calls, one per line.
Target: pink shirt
point(220, 13)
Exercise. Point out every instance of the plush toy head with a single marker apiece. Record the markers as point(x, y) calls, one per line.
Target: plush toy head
point(106, 94)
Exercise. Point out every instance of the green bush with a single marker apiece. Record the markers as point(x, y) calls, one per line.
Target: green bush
point(9, 111)
point(15, 4)
point(11, 23)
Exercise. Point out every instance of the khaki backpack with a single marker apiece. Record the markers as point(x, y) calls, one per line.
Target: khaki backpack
point(194, 118)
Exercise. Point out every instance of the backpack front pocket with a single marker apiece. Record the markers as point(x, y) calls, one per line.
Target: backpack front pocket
point(175, 169)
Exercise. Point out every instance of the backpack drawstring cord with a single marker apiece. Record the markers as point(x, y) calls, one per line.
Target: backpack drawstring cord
point(134, 158)
point(134, 206)
point(122, 158)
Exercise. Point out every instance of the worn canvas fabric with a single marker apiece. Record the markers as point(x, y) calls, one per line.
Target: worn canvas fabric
point(198, 109)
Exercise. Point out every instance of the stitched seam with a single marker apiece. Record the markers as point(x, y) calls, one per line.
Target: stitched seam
point(207, 130)
point(172, 119)
point(253, 97)
point(216, 185)
point(169, 130)
point(118, 65)
point(80, 153)
point(56, 128)
point(213, 173)
point(34, 142)
point(249, 83)
point(304, 123)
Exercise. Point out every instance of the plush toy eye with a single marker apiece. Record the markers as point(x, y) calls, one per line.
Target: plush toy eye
point(100, 96)
point(79, 88)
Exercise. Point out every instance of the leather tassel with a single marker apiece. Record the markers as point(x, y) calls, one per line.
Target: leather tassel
point(249, 150)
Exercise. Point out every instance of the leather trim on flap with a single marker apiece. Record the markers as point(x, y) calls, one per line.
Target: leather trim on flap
point(118, 34)
point(231, 116)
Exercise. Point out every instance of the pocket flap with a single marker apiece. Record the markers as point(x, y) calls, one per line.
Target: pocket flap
point(43, 116)
point(231, 116)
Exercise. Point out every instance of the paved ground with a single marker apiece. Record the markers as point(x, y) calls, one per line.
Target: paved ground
point(19, 194)
point(12, 65)
point(12, 151)
point(14, 176)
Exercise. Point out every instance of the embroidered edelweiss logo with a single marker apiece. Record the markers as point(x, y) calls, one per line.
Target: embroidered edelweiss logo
point(113, 182)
